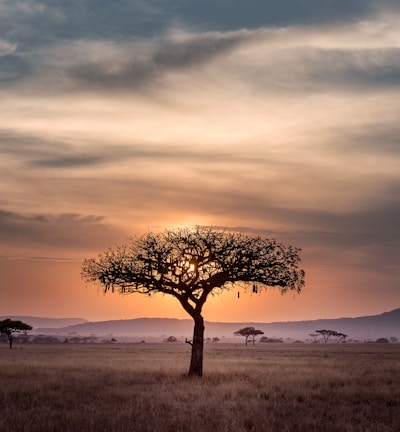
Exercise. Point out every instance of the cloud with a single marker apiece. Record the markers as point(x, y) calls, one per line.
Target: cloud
point(366, 238)
point(33, 23)
point(235, 14)
point(6, 47)
point(346, 57)
point(37, 152)
point(63, 232)
point(362, 69)
point(378, 139)
point(107, 66)
point(13, 68)
point(129, 44)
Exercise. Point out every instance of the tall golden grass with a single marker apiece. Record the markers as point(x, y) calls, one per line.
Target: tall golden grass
point(142, 387)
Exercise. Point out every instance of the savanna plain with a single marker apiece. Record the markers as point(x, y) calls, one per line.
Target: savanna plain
point(143, 388)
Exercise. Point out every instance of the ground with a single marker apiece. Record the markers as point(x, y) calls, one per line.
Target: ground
point(143, 388)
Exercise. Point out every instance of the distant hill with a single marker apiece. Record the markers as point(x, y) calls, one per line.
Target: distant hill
point(361, 328)
point(364, 328)
point(138, 327)
point(53, 323)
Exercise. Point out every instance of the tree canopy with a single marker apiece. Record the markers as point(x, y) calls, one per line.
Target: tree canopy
point(9, 327)
point(326, 334)
point(192, 263)
point(248, 332)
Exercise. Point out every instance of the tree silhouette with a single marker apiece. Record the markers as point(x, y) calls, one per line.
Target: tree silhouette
point(266, 339)
point(340, 337)
point(326, 334)
point(9, 327)
point(192, 263)
point(248, 332)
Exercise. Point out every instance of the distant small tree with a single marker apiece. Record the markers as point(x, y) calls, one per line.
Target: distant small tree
point(266, 339)
point(393, 339)
point(326, 334)
point(215, 339)
point(340, 337)
point(382, 340)
point(248, 332)
point(171, 339)
point(10, 327)
point(314, 337)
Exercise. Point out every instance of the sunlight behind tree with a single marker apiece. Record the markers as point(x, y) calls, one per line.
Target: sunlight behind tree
point(189, 264)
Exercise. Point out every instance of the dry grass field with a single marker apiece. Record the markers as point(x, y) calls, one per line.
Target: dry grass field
point(142, 387)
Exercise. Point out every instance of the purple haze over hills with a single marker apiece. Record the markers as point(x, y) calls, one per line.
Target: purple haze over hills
point(156, 329)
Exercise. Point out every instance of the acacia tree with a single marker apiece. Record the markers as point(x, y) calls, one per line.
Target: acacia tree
point(326, 334)
point(341, 337)
point(192, 263)
point(9, 327)
point(248, 332)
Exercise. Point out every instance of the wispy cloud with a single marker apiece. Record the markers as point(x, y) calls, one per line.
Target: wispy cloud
point(65, 231)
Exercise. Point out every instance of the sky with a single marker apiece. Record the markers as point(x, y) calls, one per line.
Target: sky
point(278, 119)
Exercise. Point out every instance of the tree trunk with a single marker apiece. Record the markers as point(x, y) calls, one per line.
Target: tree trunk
point(10, 340)
point(196, 361)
